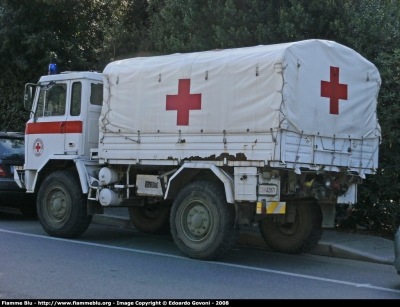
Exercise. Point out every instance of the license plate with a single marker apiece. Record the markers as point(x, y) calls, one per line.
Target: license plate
point(269, 190)
point(16, 168)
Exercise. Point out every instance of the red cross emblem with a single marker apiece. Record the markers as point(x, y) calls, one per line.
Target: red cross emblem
point(183, 102)
point(38, 147)
point(334, 90)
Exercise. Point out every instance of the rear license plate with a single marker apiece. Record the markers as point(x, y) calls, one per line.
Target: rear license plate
point(17, 168)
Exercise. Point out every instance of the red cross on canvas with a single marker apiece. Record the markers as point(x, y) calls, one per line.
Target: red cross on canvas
point(334, 90)
point(183, 102)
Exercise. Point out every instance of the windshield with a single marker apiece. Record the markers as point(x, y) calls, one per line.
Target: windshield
point(52, 101)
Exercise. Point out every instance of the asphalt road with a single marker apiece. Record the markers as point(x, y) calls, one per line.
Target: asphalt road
point(116, 263)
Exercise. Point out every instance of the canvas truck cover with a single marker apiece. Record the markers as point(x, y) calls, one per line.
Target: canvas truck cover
point(312, 87)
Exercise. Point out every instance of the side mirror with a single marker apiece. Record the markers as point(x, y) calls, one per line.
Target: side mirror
point(29, 95)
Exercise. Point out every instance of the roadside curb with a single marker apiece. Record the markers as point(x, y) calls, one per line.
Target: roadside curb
point(340, 251)
point(322, 249)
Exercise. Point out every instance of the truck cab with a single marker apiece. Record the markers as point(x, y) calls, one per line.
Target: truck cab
point(64, 120)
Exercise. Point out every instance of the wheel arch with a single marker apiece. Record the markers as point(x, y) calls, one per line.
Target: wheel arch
point(36, 177)
point(189, 171)
point(56, 163)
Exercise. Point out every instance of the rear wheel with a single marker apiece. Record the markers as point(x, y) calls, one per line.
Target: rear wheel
point(202, 222)
point(61, 206)
point(151, 218)
point(298, 237)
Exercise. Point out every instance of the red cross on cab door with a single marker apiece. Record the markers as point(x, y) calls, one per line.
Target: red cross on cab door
point(184, 102)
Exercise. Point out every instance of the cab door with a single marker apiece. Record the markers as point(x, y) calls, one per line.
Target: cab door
point(73, 126)
point(83, 116)
point(46, 129)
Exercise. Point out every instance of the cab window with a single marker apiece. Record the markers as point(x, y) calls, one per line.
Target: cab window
point(76, 99)
point(96, 94)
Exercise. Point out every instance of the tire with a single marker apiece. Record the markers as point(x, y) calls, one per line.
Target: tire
point(202, 222)
point(298, 237)
point(61, 206)
point(153, 219)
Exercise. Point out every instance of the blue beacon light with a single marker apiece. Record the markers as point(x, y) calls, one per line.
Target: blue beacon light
point(53, 70)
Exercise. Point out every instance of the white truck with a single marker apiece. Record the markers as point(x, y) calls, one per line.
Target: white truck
point(200, 144)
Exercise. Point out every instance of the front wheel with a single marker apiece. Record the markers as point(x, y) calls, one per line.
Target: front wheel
point(298, 237)
point(61, 206)
point(202, 222)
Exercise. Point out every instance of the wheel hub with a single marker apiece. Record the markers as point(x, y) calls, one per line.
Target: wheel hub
point(57, 205)
point(198, 221)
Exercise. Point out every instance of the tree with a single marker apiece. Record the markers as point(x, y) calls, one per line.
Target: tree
point(76, 34)
point(32, 34)
point(124, 30)
point(194, 25)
